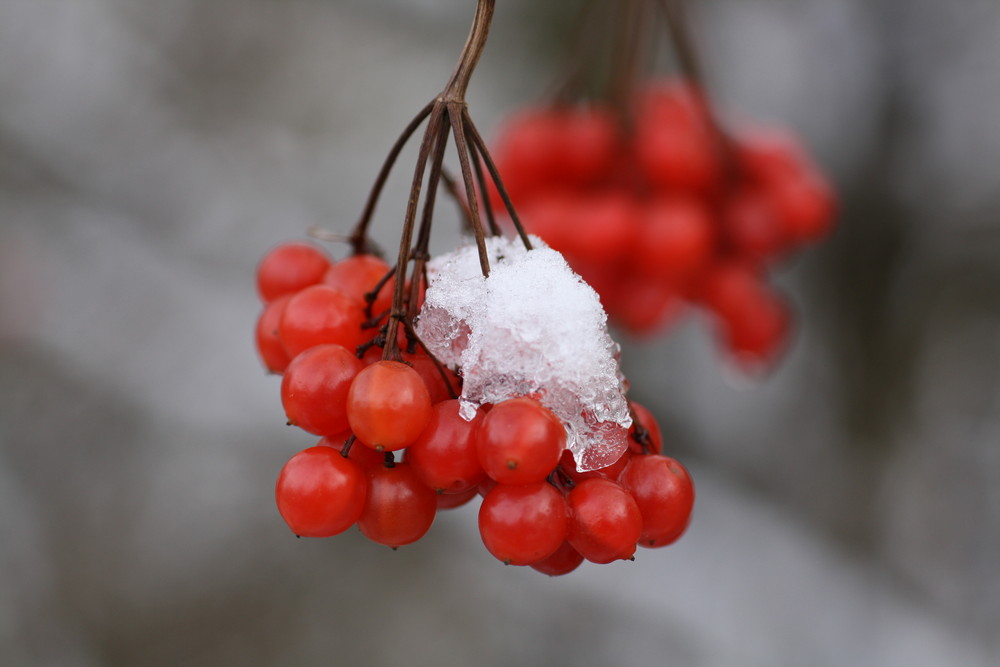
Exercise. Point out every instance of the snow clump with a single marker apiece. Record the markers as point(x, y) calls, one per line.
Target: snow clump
point(532, 328)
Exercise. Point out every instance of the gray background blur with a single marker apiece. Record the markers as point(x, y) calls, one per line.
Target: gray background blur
point(150, 152)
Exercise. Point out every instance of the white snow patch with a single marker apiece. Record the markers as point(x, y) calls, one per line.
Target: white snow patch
point(532, 328)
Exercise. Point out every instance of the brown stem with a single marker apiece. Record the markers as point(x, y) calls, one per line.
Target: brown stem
point(473, 49)
point(631, 42)
point(359, 237)
point(691, 70)
point(444, 111)
point(477, 141)
point(639, 432)
point(345, 450)
point(371, 296)
point(477, 167)
point(581, 55)
point(458, 131)
point(434, 125)
point(421, 254)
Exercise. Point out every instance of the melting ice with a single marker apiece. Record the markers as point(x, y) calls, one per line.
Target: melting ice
point(532, 328)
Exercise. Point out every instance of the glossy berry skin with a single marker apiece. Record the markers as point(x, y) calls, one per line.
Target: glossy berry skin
point(320, 493)
point(520, 441)
point(431, 375)
point(357, 275)
point(314, 389)
point(399, 509)
point(604, 520)
point(663, 490)
point(269, 346)
point(388, 405)
point(563, 561)
point(288, 268)
point(522, 524)
point(444, 456)
point(320, 314)
point(366, 457)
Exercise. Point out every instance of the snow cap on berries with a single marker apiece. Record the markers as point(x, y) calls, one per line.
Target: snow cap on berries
point(532, 328)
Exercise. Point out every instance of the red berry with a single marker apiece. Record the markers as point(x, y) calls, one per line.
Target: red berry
point(486, 486)
point(673, 143)
point(758, 337)
point(770, 155)
point(288, 268)
point(314, 389)
point(600, 228)
point(676, 238)
point(320, 493)
point(806, 206)
point(399, 509)
point(366, 457)
point(321, 314)
point(444, 456)
point(358, 275)
point(550, 216)
point(589, 144)
point(727, 285)
point(269, 346)
point(663, 490)
point(527, 153)
point(388, 405)
point(799, 194)
point(564, 560)
point(604, 520)
point(645, 419)
point(519, 441)
point(752, 227)
point(641, 305)
point(431, 375)
point(522, 524)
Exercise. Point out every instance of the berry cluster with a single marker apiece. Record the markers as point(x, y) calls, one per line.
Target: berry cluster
point(538, 510)
point(657, 206)
point(318, 332)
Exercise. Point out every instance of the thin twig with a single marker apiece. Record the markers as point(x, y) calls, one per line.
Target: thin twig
point(480, 145)
point(421, 253)
point(371, 296)
point(687, 60)
point(458, 131)
point(391, 349)
point(359, 236)
point(477, 167)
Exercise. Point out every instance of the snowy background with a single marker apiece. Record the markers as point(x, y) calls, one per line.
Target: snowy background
point(848, 507)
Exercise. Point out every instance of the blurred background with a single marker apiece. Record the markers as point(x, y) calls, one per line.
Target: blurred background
point(848, 505)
